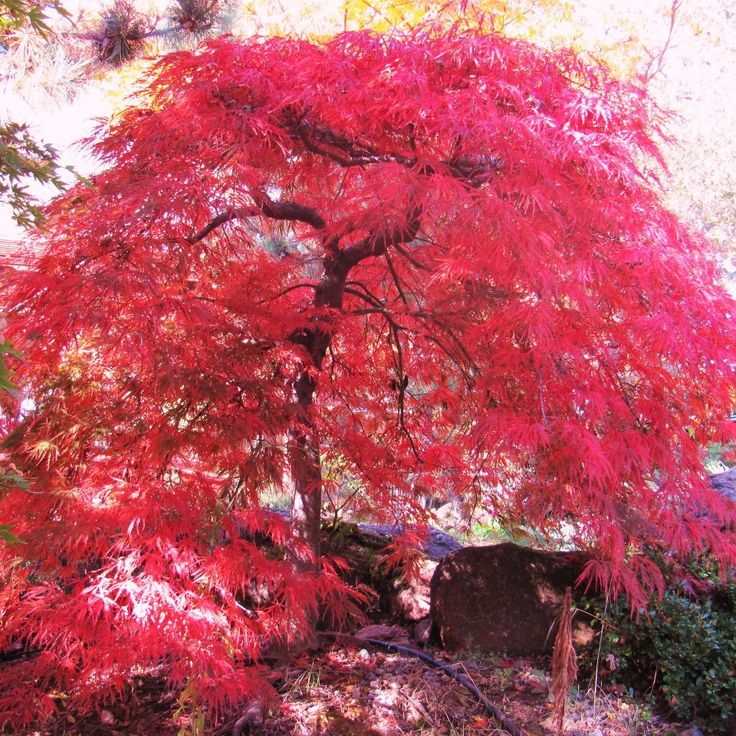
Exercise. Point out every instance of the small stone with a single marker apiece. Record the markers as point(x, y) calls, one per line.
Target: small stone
point(106, 717)
point(422, 631)
point(597, 732)
point(253, 716)
point(379, 631)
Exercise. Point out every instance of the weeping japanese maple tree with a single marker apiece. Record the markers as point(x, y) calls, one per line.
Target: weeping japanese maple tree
point(364, 271)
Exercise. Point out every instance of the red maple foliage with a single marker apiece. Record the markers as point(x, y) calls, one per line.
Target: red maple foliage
point(376, 268)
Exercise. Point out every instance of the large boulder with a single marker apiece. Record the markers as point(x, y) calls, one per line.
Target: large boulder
point(504, 598)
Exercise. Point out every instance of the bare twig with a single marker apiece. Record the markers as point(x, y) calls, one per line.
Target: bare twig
point(491, 708)
point(656, 61)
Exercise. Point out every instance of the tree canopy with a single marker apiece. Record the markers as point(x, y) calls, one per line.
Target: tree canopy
point(377, 268)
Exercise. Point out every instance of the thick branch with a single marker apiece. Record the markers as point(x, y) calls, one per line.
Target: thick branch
point(291, 211)
point(234, 213)
point(377, 245)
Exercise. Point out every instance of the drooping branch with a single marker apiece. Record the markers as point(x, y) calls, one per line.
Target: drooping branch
point(656, 60)
point(235, 213)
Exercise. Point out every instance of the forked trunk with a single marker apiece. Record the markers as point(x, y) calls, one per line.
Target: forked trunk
point(303, 451)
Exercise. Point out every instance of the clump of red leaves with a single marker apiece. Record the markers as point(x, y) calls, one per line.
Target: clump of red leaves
point(415, 264)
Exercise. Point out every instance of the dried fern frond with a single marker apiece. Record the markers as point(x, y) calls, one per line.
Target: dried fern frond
point(564, 663)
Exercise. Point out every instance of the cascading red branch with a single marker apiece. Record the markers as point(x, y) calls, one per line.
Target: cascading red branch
point(374, 268)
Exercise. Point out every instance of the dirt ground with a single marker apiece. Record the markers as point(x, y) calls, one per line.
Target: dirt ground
point(347, 689)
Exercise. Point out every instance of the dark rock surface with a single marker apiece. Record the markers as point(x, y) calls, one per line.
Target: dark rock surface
point(504, 598)
point(438, 546)
point(725, 483)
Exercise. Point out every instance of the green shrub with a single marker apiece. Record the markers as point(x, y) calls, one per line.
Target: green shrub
point(682, 651)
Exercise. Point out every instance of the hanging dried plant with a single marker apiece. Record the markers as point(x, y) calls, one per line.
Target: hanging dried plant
point(564, 663)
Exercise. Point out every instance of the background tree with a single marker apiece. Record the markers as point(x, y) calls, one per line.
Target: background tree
point(427, 262)
point(22, 158)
